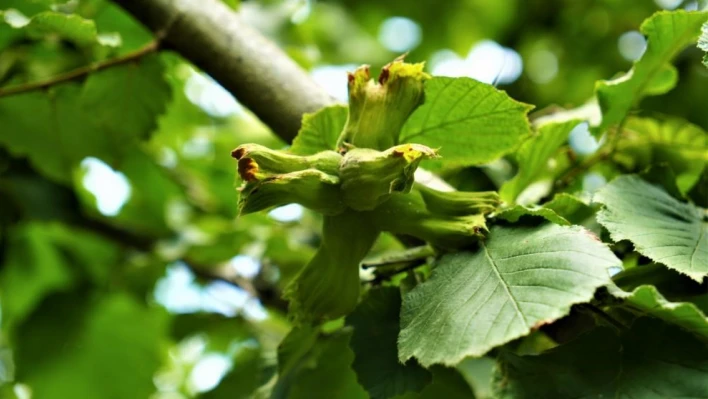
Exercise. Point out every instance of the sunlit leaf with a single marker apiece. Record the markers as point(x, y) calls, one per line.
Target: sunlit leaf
point(660, 227)
point(668, 32)
point(520, 279)
point(469, 121)
point(69, 26)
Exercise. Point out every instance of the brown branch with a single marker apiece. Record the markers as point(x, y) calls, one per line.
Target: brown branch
point(81, 72)
point(259, 74)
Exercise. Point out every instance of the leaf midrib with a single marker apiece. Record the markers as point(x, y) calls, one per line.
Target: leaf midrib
point(495, 268)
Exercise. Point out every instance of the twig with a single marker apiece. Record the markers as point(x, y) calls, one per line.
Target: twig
point(599, 156)
point(387, 276)
point(405, 256)
point(81, 72)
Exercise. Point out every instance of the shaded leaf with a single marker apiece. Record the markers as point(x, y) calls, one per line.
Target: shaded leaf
point(109, 348)
point(660, 227)
point(376, 327)
point(668, 32)
point(320, 130)
point(533, 155)
point(653, 360)
point(45, 258)
point(447, 383)
point(520, 278)
point(471, 122)
point(312, 366)
point(674, 142)
point(647, 299)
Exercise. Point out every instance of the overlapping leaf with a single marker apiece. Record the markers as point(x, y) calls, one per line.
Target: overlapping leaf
point(313, 366)
point(667, 33)
point(320, 130)
point(110, 348)
point(520, 278)
point(58, 129)
point(647, 299)
point(680, 145)
point(653, 360)
point(376, 326)
point(533, 155)
point(660, 227)
point(471, 122)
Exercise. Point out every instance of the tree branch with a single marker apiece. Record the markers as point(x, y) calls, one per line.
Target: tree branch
point(81, 72)
point(260, 75)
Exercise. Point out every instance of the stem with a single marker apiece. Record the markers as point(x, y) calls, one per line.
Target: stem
point(380, 277)
point(81, 72)
point(405, 256)
point(599, 156)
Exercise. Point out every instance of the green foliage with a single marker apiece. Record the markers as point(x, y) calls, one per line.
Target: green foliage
point(320, 131)
point(471, 123)
point(516, 282)
point(376, 324)
point(647, 299)
point(526, 265)
point(311, 365)
point(650, 360)
point(660, 227)
point(533, 155)
point(703, 42)
point(667, 34)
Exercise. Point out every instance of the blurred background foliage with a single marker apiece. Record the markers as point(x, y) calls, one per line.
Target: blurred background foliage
point(125, 272)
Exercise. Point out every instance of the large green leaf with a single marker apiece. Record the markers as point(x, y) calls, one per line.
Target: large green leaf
point(104, 119)
point(533, 155)
point(653, 360)
point(72, 347)
point(660, 227)
point(680, 145)
point(471, 122)
point(312, 366)
point(376, 326)
point(520, 278)
point(647, 299)
point(320, 130)
point(668, 32)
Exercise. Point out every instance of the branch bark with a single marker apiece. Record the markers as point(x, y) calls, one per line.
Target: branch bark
point(214, 38)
